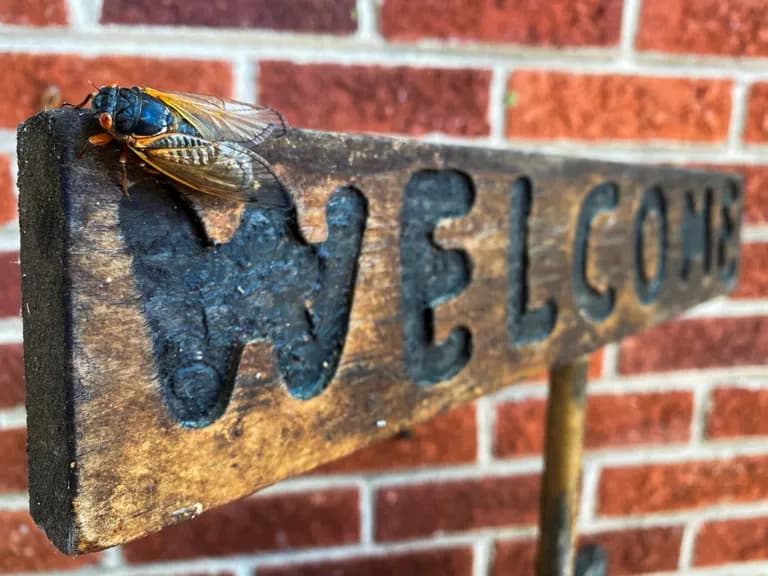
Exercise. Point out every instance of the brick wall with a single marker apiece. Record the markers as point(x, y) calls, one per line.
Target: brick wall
point(676, 474)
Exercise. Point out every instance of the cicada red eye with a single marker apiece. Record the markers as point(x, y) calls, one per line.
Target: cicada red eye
point(105, 119)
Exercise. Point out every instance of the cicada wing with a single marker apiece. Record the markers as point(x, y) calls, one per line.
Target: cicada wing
point(221, 119)
point(224, 169)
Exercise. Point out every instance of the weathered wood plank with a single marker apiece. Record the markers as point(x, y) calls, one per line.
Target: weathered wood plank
point(181, 354)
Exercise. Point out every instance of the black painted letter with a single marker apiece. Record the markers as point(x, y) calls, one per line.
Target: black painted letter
point(697, 233)
point(430, 275)
point(205, 303)
point(595, 304)
point(525, 326)
point(648, 288)
point(727, 238)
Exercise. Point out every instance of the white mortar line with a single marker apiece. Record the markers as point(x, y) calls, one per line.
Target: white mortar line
point(721, 512)
point(214, 43)
point(367, 20)
point(313, 483)
point(590, 480)
point(9, 236)
point(667, 381)
point(613, 457)
point(8, 142)
point(441, 541)
point(688, 544)
point(510, 469)
point(486, 425)
point(610, 360)
point(12, 418)
point(85, 14)
point(367, 514)
point(482, 557)
point(113, 557)
point(243, 79)
point(10, 330)
point(754, 234)
point(13, 501)
point(630, 22)
point(497, 105)
point(724, 308)
point(701, 399)
point(739, 97)
point(238, 565)
point(679, 453)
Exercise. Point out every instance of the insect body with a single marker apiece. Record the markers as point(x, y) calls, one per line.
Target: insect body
point(205, 142)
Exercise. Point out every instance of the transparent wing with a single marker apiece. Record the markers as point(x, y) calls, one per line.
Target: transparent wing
point(224, 169)
point(221, 119)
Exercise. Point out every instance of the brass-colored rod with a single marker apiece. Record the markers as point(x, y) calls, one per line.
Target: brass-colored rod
point(560, 491)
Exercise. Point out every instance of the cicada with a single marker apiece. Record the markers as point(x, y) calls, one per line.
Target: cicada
point(204, 142)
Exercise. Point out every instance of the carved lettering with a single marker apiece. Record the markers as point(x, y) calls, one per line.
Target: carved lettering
point(430, 274)
point(523, 324)
point(653, 205)
point(727, 238)
point(265, 283)
point(697, 233)
point(592, 302)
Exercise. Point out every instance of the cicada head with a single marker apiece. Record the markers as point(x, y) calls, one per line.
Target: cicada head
point(116, 109)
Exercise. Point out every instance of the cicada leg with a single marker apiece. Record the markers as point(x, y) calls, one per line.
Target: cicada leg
point(81, 105)
point(124, 168)
point(96, 140)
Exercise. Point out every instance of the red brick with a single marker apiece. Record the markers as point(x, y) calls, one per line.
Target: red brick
point(333, 16)
point(612, 420)
point(756, 193)
point(757, 114)
point(696, 343)
point(552, 105)
point(638, 551)
point(737, 412)
point(13, 460)
point(447, 439)
point(24, 547)
point(520, 428)
point(731, 541)
point(444, 562)
point(554, 23)
point(34, 12)
point(514, 558)
point(722, 27)
point(10, 284)
point(632, 419)
point(8, 209)
point(279, 522)
point(420, 510)
point(686, 485)
point(378, 99)
point(11, 375)
point(595, 369)
point(32, 74)
point(753, 281)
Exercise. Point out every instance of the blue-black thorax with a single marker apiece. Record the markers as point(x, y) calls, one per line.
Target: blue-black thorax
point(136, 113)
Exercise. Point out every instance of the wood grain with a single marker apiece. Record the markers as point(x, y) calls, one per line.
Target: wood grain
point(409, 279)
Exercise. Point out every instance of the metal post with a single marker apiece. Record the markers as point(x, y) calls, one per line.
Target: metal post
point(562, 469)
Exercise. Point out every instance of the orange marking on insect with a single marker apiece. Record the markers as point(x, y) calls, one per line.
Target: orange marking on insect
point(100, 139)
point(105, 119)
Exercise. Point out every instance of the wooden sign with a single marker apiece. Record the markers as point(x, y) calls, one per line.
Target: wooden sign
point(181, 353)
